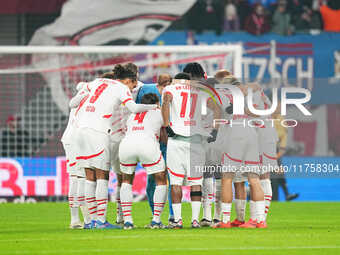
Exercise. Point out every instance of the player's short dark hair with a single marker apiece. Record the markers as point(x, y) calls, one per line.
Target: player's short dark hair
point(131, 66)
point(122, 72)
point(195, 70)
point(108, 75)
point(150, 98)
point(182, 76)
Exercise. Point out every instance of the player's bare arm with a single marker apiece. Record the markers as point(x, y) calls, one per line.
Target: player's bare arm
point(216, 109)
point(136, 108)
point(167, 98)
point(75, 101)
point(163, 138)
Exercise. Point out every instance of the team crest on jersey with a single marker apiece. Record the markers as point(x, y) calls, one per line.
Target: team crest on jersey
point(129, 94)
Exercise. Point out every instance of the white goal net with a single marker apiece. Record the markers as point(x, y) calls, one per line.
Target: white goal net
point(36, 82)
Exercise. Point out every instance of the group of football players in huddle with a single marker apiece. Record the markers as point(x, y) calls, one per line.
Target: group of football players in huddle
point(183, 131)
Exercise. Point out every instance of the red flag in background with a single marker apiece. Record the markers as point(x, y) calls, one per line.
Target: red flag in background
point(128, 22)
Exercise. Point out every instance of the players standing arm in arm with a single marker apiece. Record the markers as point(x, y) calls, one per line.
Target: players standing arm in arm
point(83, 89)
point(167, 99)
point(216, 109)
point(127, 100)
point(135, 108)
point(75, 101)
point(163, 136)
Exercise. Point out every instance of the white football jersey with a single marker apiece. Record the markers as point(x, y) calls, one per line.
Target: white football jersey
point(67, 138)
point(136, 90)
point(267, 130)
point(145, 123)
point(186, 108)
point(68, 133)
point(98, 110)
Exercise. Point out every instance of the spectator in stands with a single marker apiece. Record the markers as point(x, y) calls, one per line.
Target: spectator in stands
point(281, 20)
point(294, 7)
point(257, 23)
point(266, 3)
point(331, 16)
point(243, 11)
point(231, 20)
point(15, 141)
point(307, 20)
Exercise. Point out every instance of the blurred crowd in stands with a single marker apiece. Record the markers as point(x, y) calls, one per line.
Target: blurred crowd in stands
point(283, 17)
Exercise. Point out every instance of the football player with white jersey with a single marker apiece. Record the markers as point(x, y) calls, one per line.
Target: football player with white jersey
point(212, 170)
point(141, 144)
point(117, 134)
point(267, 140)
point(240, 155)
point(94, 116)
point(76, 175)
point(220, 144)
point(182, 116)
point(197, 73)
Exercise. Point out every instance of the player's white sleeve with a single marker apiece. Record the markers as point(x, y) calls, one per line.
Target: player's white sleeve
point(159, 117)
point(135, 108)
point(126, 99)
point(75, 101)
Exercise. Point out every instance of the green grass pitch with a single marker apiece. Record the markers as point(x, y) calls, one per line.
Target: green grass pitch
point(294, 228)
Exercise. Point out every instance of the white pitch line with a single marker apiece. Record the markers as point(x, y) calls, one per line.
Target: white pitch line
point(114, 250)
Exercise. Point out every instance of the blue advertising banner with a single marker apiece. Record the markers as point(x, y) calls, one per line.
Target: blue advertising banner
point(48, 177)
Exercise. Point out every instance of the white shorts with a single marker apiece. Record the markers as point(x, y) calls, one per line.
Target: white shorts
point(143, 149)
point(71, 161)
point(93, 149)
point(72, 164)
point(184, 162)
point(242, 153)
point(212, 154)
point(268, 157)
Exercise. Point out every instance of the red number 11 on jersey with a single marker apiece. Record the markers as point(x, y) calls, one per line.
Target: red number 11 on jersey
point(184, 104)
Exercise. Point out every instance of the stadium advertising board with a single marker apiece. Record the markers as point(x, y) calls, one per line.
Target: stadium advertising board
point(46, 177)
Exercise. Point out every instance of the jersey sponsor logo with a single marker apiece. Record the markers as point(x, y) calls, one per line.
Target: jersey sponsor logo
point(137, 128)
point(190, 123)
point(90, 108)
